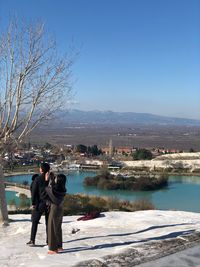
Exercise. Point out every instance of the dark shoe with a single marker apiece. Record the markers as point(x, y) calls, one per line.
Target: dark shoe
point(30, 243)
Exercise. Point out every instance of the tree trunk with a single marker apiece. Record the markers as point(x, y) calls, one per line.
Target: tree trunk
point(3, 204)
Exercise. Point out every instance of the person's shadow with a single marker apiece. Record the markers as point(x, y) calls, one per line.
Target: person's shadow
point(125, 243)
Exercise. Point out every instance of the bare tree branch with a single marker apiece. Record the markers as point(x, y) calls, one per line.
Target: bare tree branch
point(35, 80)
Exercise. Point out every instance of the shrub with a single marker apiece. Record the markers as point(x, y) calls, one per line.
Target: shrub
point(72, 205)
point(20, 211)
point(142, 153)
point(102, 184)
point(91, 181)
point(82, 204)
point(113, 203)
point(98, 204)
point(143, 204)
point(132, 183)
point(24, 201)
point(25, 183)
point(12, 202)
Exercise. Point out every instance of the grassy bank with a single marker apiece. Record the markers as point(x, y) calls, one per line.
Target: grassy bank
point(83, 204)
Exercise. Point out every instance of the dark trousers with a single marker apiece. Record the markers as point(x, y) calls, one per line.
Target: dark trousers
point(35, 218)
point(55, 227)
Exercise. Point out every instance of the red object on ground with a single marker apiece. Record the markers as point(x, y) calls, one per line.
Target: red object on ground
point(89, 216)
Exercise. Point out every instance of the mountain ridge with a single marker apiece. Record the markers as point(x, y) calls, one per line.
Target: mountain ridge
point(112, 117)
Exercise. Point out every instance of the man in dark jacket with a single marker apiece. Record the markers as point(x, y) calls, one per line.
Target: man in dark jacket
point(38, 201)
point(31, 188)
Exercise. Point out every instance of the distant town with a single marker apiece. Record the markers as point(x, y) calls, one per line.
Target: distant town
point(65, 157)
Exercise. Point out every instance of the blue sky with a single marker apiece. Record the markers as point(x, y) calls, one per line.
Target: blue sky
point(135, 55)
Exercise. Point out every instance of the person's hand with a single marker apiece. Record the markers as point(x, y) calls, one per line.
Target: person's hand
point(47, 176)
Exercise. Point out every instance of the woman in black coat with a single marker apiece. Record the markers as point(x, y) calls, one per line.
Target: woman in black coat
point(55, 195)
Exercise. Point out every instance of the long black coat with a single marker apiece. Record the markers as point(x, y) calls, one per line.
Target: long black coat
point(37, 192)
point(55, 195)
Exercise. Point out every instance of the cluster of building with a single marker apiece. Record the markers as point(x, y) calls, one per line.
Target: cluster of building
point(68, 157)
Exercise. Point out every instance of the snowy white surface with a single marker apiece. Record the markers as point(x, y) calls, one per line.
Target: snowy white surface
point(111, 233)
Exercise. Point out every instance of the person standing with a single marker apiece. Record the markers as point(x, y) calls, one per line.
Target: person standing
point(55, 194)
point(39, 205)
point(34, 212)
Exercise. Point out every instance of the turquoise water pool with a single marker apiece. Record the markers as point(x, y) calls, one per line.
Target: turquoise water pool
point(182, 193)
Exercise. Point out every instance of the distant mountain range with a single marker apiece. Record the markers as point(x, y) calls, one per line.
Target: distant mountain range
point(110, 117)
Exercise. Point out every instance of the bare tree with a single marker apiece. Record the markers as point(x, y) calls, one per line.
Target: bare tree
point(34, 83)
